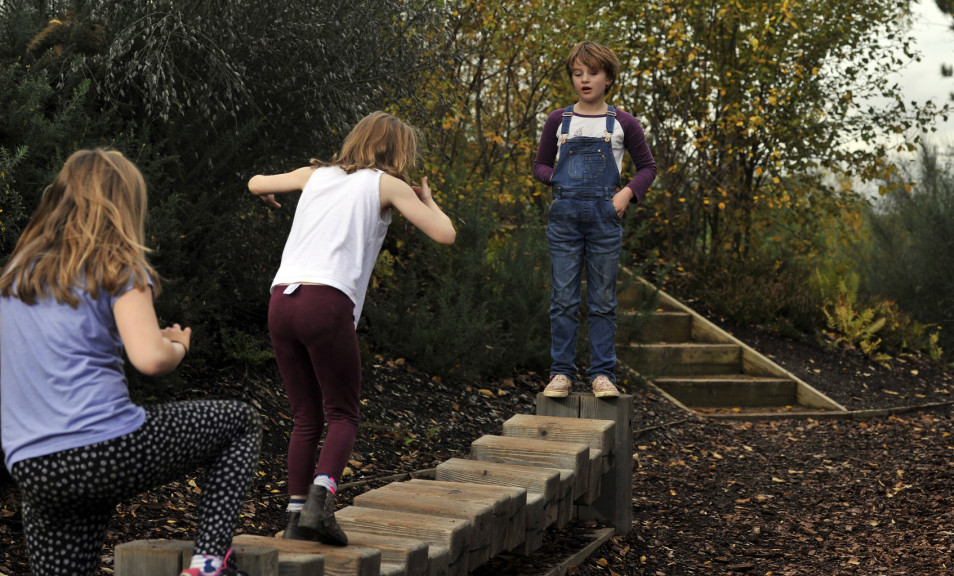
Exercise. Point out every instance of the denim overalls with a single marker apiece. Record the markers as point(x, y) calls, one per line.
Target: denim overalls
point(583, 226)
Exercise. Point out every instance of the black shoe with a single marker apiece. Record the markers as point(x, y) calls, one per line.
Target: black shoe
point(317, 519)
point(291, 531)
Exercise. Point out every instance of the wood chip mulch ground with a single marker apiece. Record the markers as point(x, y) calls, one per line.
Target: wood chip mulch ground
point(868, 494)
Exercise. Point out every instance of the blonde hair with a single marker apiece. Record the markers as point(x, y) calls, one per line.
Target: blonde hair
point(87, 233)
point(381, 141)
point(596, 56)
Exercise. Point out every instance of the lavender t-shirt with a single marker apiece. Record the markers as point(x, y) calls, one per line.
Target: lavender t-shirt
point(62, 383)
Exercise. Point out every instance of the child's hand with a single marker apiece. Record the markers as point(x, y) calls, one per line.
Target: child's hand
point(621, 201)
point(178, 334)
point(423, 191)
point(270, 200)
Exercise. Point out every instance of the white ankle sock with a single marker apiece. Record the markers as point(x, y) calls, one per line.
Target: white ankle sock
point(206, 563)
point(295, 504)
point(326, 481)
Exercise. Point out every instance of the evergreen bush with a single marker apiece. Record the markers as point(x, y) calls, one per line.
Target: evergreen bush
point(756, 290)
point(912, 239)
point(471, 310)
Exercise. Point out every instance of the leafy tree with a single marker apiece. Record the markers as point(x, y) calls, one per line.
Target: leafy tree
point(750, 104)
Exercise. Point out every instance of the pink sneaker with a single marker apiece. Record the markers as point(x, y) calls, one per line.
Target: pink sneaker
point(559, 387)
point(603, 387)
point(228, 568)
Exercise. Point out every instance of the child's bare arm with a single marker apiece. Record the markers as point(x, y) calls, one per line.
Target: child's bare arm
point(267, 186)
point(153, 351)
point(418, 206)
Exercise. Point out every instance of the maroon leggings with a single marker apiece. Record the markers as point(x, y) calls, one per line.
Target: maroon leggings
point(316, 348)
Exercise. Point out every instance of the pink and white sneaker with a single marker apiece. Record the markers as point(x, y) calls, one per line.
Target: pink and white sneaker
point(559, 387)
point(603, 387)
point(227, 568)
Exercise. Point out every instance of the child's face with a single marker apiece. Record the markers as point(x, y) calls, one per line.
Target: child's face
point(590, 84)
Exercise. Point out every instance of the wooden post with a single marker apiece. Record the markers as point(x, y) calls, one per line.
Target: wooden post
point(615, 503)
point(157, 556)
point(162, 557)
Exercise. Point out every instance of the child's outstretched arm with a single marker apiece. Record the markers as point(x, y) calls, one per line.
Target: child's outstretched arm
point(267, 186)
point(153, 351)
point(418, 206)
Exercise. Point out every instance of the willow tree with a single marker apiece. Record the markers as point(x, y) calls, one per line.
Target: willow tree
point(752, 104)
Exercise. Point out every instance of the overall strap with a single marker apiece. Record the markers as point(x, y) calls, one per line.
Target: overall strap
point(565, 127)
point(610, 122)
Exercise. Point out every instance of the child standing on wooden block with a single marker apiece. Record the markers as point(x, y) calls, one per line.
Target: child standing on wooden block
point(77, 290)
point(340, 223)
point(580, 155)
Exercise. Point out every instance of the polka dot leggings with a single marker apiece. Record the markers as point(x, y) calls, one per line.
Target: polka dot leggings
point(68, 497)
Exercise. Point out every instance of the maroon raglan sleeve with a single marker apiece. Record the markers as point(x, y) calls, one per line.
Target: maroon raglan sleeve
point(547, 150)
point(634, 139)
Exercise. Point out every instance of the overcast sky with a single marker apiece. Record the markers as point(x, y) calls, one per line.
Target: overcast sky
point(922, 81)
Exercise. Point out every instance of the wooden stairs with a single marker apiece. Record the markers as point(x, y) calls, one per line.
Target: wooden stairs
point(701, 367)
point(573, 459)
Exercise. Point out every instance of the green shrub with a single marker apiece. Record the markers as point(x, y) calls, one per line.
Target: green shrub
point(247, 349)
point(912, 239)
point(850, 325)
point(873, 324)
point(11, 202)
point(755, 291)
point(471, 310)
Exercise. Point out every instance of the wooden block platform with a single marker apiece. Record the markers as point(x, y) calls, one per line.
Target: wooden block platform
point(453, 534)
point(573, 456)
point(163, 557)
point(615, 502)
point(411, 556)
point(338, 560)
point(542, 486)
point(480, 515)
point(597, 434)
point(515, 486)
point(496, 512)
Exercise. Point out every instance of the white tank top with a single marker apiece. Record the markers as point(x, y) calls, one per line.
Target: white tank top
point(337, 233)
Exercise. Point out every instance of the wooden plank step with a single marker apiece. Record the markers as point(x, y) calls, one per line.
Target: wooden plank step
point(663, 326)
point(657, 360)
point(511, 501)
point(420, 501)
point(164, 557)
point(338, 560)
point(151, 557)
point(498, 513)
point(542, 481)
point(453, 534)
point(637, 295)
point(409, 556)
point(542, 486)
point(596, 434)
point(599, 435)
point(572, 456)
point(294, 564)
point(738, 390)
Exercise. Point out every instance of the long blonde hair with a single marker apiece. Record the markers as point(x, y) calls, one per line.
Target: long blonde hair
point(88, 233)
point(381, 141)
